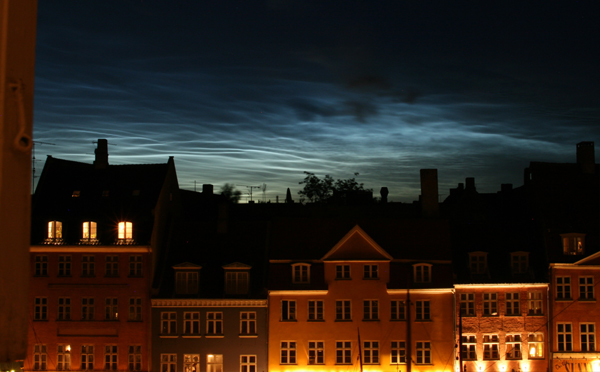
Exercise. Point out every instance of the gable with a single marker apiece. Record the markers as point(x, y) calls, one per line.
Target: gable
point(590, 260)
point(357, 246)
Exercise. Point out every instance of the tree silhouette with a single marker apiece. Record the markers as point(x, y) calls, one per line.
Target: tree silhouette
point(230, 194)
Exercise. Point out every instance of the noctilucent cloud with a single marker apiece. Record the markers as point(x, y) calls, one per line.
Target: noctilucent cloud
point(257, 92)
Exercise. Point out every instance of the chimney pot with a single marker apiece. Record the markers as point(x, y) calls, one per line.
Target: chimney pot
point(101, 160)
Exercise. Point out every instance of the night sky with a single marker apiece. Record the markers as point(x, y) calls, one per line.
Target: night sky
point(256, 92)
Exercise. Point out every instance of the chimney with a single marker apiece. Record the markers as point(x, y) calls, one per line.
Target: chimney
point(207, 189)
point(101, 161)
point(384, 194)
point(429, 193)
point(586, 158)
point(470, 184)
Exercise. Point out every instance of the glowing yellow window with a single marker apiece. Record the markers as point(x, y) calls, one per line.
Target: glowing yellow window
point(54, 230)
point(89, 230)
point(125, 230)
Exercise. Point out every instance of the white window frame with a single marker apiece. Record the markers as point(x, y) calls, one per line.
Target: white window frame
point(371, 271)
point(87, 357)
point(422, 273)
point(398, 310)
point(467, 304)
point(40, 308)
point(55, 231)
point(469, 347)
point(535, 304)
point(342, 272)
point(288, 352)
point(40, 357)
point(586, 288)
point(214, 323)
point(316, 352)
point(535, 345)
point(88, 308)
point(191, 362)
point(398, 352)
point(237, 281)
point(573, 244)
point(563, 288)
point(343, 352)
point(587, 337)
point(168, 323)
point(316, 310)
point(247, 363)
point(343, 310)
point(371, 309)
point(514, 346)
point(300, 273)
point(248, 323)
point(168, 362)
point(288, 310)
point(64, 308)
point(490, 304)
point(187, 282)
point(111, 308)
point(111, 357)
point(135, 309)
point(125, 230)
point(491, 347)
point(370, 352)
point(63, 357)
point(423, 349)
point(191, 323)
point(513, 303)
point(89, 231)
point(135, 358)
point(214, 363)
point(564, 337)
point(422, 310)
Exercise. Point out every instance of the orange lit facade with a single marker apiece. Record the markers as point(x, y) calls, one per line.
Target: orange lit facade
point(359, 304)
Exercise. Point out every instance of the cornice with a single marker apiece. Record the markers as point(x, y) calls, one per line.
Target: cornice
point(207, 303)
point(90, 249)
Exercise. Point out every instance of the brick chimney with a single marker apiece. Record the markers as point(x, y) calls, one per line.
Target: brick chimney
point(101, 161)
point(586, 158)
point(429, 193)
point(207, 189)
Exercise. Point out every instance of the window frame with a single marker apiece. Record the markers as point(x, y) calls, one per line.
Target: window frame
point(316, 352)
point(214, 323)
point(535, 302)
point(134, 358)
point(214, 363)
point(467, 304)
point(398, 310)
point(248, 323)
point(343, 310)
point(168, 323)
point(370, 352)
point(288, 352)
point(371, 271)
point(491, 347)
point(187, 281)
point(237, 282)
point(87, 357)
point(88, 265)
point(168, 362)
point(316, 310)
point(248, 363)
point(422, 310)
point(342, 272)
point(135, 309)
point(422, 273)
point(564, 336)
point(41, 265)
point(343, 352)
point(40, 357)
point(63, 357)
point(586, 288)
point(587, 337)
point(563, 288)
point(478, 262)
point(515, 342)
point(111, 357)
point(191, 362)
point(397, 352)
point(64, 309)
point(88, 309)
point(490, 304)
point(301, 273)
point(513, 303)
point(370, 310)
point(288, 311)
point(191, 323)
point(469, 347)
point(423, 349)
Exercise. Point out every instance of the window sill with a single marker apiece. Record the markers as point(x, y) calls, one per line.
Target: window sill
point(315, 320)
point(168, 336)
point(563, 299)
point(422, 320)
point(214, 336)
point(587, 300)
point(288, 320)
point(191, 336)
point(370, 320)
point(343, 320)
point(535, 314)
point(248, 336)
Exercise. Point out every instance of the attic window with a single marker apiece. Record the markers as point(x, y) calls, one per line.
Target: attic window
point(76, 194)
point(573, 244)
point(236, 282)
point(478, 262)
point(186, 282)
point(301, 273)
point(519, 262)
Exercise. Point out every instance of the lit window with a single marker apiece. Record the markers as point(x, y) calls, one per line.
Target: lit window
point(343, 310)
point(40, 308)
point(513, 347)
point(467, 304)
point(55, 230)
point(371, 309)
point(534, 303)
point(315, 352)
point(315, 310)
point(186, 282)
point(135, 358)
point(469, 347)
point(76, 194)
point(125, 230)
point(519, 262)
point(214, 363)
point(371, 352)
point(573, 244)
point(565, 336)
point(343, 352)
point(371, 272)
point(191, 323)
point(236, 282)
point(135, 309)
point(87, 308)
point(422, 310)
point(87, 357)
point(247, 363)
point(168, 362)
point(586, 287)
point(288, 310)
point(422, 273)
point(588, 336)
point(342, 272)
point(191, 362)
point(41, 265)
point(89, 230)
point(478, 262)
point(64, 308)
point(423, 352)
point(490, 304)
point(490, 347)
point(563, 288)
point(398, 354)
point(168, 323)
point(40, 357)
point(288, 352)
point(300, 273)
point(535, 342)
point(63, 358)
point(513, 304)
point(111, 307)
point(214, 323)
point(247, 323)
point(110, 357)
point(398, 310)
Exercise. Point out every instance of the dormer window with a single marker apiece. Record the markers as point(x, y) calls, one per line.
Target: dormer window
point(519, 262)
point(187, 278)
point(478, 262)
point(55, 233)
point(573, 244)
point(422, 273)
point(301, 273)
point(125, 233)
point(237, 278)
point(76, 194)
point(89, 233)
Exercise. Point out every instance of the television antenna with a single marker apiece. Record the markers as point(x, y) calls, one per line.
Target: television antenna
point(33, 161)
point(264, 188)
point(250, 189)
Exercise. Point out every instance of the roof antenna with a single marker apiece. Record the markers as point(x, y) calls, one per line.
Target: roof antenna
point(33, 162)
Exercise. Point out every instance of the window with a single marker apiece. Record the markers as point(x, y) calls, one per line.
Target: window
point(135, 309)
point(342, 272)
point(371, 309)
point(423, 312)
point(573, 244)
point(519, 262)
point(343, 310)
point(41, 265)
point(343, 352)
point(288, 352)
point(191, 323)
point(467, 304)
point(64, 265)
point(398, 352)
point(422, 273)
point(40, 357)
point(534, 303)
point(135, 358)
point(512, 304)
point(490, 304)
point(371, 352)
point(63, 358)
point(563, 288)
point(478, 262)
point(588, 338)
point(55, 230)
point(111, 308)
point(469, 347)
point(40, 308)
point(125, 230)
point(186, 282)
point(191, 362)
point(423, 352)
point(89, 232)
point(87, 357)
point(535, 342)
point(315, 352)
point(513, 347)
point(565, 337)
point(236, 282)
point(248, 323)
point(168, 362)
point(214, 363)
point(112, 266)
point(168, 323)
point(76, 193)
point(135, 265)
point(64, 308)
point(300, 273)
point(586, 288)
point(315, 310)
point(247, 363)
point(288, 310)
point(371, 272)
point(490, 347)
point(87, 308)
point(398, 310)
point(110, 357)
point(88, 266)
point(214, 323)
